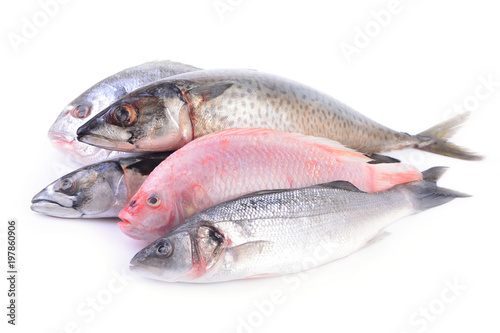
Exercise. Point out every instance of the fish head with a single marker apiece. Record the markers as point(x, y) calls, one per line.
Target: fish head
point(166, 259)
point(94, 191)
point(181, 255)
point(150, 213)
point(62, 133)
point(153, 118)
point(73, 116)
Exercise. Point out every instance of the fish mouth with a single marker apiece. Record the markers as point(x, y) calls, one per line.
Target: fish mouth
point(130, 230)
point(144, 270)
point(53, 208)
point(60, 138)
point(96, 140)
point(104, 142)
point(138, 232)
point(96, 133)
point(140, 268)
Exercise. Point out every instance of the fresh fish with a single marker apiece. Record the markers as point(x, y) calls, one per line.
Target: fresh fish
point(281, 232)
point(97, 190)
point(169, 113)
point(102, 94)
point(224, 165)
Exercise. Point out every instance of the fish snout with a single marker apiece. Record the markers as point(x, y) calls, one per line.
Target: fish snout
point(127, 228)
point(97, 132)
point(88, 127)
point(137, 231)
point(51, 203)
point(142, 265)
point(127, 225)
point(138, 259)
point(60, 138)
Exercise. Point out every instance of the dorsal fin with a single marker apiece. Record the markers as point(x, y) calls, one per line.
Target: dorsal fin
point(262, 192)
point(433, 174)
point(338, 184)
point(377, 159)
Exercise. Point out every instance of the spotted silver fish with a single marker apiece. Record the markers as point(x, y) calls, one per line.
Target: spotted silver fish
point(169, 113)
point(98, 190)
point(63, 132)
point(285, 231)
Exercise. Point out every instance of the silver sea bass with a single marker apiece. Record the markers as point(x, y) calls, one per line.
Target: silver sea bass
point(276, 232)
point(97, 190)
point(102, 94)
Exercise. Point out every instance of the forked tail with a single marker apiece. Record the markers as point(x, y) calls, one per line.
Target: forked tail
point(426, 194)
point(435, 139)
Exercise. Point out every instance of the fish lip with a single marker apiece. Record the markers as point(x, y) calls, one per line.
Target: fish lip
point(135, 261)
point(129, 229)
point(137, 231)
point(101, 141)
point(97, 140)
point(46, 207)
point(35, 200)
point(60, 138)
point(124, 224)
point(137, 267)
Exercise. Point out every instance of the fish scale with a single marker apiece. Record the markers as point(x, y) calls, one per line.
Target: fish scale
point(305, 110)
point(285, 231)
point(230, 163)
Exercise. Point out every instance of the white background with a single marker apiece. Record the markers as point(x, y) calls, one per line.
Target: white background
point(428, 58)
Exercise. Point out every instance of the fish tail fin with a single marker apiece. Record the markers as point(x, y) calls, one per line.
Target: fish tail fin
point(387, 175)
point(435, 139)
point(426, 194)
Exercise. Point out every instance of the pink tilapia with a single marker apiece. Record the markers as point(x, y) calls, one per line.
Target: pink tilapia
point(225, 165)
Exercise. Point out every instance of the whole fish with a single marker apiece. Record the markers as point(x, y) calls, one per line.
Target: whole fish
point(63, 132)
point(97, 190)
point(169, 113)
point(282, 232)
point(224, 165)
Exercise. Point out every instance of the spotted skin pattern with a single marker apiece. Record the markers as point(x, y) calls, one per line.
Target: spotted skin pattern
point(169, 113)
point(263, 100)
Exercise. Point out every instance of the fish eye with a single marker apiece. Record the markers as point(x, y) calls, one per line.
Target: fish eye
point(124, 115)
point(153, 200)
point(81, 111)
point(67, 186)
point(164, 249)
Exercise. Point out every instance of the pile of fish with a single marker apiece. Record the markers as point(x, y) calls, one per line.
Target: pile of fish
point(234, 174)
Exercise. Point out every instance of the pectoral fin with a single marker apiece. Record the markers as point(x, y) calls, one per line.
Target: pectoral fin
point(208, 92)
point(194, 92)
point(249, 250)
